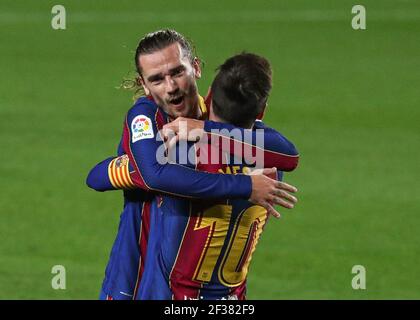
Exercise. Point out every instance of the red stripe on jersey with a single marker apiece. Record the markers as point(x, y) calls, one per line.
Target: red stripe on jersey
point(248, 246)
point(117, 175)
point(209, 158)
point(181, 278)
point(143, 239)
point(160, 119)
point(270, 159)
point(125, 176)
point(239, 291)
point(135, 176)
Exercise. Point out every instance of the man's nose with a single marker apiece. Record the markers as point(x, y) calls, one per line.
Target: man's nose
point(171, 85)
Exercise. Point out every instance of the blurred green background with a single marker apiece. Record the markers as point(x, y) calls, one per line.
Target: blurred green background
point(348, 99)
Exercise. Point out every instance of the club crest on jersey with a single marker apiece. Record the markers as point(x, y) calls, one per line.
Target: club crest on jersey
point(141, 128)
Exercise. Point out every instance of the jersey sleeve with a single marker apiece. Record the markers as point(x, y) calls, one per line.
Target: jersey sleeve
point(111, 174)
point(143, 145)
point(276, 150)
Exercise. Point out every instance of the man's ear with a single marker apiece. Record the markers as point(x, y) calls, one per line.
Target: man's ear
point(140, 82)
point(261, 115)
point(197, 68)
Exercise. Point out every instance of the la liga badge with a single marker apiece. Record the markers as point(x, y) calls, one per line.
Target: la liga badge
point(141, 128)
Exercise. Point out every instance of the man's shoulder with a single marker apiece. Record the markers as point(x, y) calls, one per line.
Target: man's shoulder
point(145, 110)
point(143, 105)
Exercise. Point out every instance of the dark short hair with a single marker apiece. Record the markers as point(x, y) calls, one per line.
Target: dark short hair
point(241, 88)
point(159, 40)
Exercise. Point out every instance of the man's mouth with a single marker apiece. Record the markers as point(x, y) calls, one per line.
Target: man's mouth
point(176, 102)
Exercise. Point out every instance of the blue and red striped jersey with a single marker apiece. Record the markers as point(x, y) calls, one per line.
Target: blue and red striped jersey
point(202, 248)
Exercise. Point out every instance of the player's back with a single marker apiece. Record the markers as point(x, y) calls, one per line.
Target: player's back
point(204, 248)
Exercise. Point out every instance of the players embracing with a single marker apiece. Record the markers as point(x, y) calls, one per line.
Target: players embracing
point(169, 242)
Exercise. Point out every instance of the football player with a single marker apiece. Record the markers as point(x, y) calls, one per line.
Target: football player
point(202, 248)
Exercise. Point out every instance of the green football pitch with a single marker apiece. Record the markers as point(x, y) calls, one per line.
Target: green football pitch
point(349, 100)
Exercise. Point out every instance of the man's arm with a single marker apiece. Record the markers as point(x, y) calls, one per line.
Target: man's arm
point(274, 151)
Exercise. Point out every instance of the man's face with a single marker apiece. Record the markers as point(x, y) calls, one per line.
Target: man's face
point(169, 77)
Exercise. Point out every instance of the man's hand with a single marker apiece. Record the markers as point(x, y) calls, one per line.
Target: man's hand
point(182, 129)
point(266, 191)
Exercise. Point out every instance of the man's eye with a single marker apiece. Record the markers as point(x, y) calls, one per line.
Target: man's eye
point(156, 82)
point(179, 73)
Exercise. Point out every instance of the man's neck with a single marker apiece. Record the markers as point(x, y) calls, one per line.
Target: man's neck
point(216, 118)
point(196, 112)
